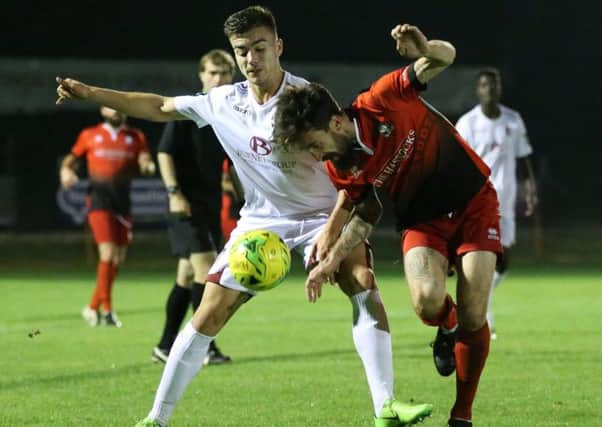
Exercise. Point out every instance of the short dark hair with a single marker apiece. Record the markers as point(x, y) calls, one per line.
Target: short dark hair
point(492, 72)
point(220, 58)
point(300, 109)
point(249, 18)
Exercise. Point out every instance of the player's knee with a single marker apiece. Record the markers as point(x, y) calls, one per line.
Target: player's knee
point(428, 300)
point(359, 279)
point(472, 318)
point(209, 321)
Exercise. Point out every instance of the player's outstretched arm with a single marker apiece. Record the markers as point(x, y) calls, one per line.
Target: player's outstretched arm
point(147, 106)
point(432, 56)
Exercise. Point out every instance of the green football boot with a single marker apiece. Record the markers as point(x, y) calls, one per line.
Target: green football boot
point(398, 414)
point(147, 422)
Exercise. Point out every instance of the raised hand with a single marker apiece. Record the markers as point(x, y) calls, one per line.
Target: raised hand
point(317, 276)
point(70, 89)
point(410, 42)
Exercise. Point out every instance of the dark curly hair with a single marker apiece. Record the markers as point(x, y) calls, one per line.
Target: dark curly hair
point(249, 18)
point(301, 109)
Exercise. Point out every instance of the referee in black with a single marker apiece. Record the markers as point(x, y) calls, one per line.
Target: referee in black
point(190, 161)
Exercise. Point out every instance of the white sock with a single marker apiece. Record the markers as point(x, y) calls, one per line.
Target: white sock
point(497, 278)
point(184, 362)
point(373, 346)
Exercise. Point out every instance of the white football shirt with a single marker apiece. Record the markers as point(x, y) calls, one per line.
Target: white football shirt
point(498, 142)
point(277, 182)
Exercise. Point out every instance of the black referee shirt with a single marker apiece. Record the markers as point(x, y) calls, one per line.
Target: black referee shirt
point(197, 156)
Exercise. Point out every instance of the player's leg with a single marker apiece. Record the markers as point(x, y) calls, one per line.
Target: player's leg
point(201, 263)
point(222, 297)
point(372, 339)
point(102, 228)
point(426, 270)
point(181, 236)
point(477, 253)
point(108, 316)
point(121, 237)
point(176, 307)
point(186, 356)
point(498, 275)
point(475, 270)
point(508, 233)
point(370, 325)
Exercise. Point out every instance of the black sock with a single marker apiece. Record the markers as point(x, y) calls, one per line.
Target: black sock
point(196, 295)
point(175, 310)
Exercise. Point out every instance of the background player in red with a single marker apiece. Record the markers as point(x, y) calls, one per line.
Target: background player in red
point(114, 153)
point(392, 139)
point(232, 199)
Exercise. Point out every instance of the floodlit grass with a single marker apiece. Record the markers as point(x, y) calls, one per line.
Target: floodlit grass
point(294, 363)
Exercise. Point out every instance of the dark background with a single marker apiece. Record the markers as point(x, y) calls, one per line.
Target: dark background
point(548, 53)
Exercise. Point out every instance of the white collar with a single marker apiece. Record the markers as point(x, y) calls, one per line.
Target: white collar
point(362, 146)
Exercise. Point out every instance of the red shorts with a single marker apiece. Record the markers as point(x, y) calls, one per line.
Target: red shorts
point(473, 228)
point(110, 227)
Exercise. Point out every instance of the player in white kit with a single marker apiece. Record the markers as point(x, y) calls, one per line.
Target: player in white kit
point(498, 135)
point(285, 191)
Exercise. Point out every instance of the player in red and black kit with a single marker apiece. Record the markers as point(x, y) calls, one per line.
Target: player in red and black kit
point(444, 203)
point(114, 153)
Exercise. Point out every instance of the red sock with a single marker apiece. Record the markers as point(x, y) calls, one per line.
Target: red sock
point(107, 300)
point(446, 317)
point(471, 352)
point(103, 283)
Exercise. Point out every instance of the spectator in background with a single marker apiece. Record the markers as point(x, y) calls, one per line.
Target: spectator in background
point(190, 161)
point(114, 153)
point(498, 135)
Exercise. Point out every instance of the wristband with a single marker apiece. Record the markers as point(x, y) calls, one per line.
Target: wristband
point(172, 189)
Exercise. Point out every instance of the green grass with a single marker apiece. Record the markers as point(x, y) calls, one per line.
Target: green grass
point(294, 362)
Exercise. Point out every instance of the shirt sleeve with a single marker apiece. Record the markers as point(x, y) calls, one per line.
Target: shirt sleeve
point(355, 187)
point(81, 145)
point(523, 147)
point(167, 143)
point(200, 108)
point(401, 84)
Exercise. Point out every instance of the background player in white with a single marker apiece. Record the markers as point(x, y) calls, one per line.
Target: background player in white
point(286, 191)
point(498, 135)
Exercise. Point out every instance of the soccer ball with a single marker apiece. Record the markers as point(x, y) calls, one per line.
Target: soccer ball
point(259, 260)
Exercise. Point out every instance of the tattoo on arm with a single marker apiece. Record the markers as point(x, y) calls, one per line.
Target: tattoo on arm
point(355, 232)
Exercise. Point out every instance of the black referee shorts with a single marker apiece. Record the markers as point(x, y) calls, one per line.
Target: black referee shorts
point(200, 232)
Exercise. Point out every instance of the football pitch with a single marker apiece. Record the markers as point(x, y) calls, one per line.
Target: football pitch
point(294, 363)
